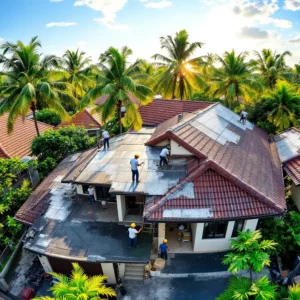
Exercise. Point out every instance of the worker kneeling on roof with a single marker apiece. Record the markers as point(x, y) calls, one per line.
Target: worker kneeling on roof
point(164, 156)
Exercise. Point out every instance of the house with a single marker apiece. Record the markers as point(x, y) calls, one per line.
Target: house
point(222, 178)
point(18, 143)
point(288, 146)
point(91, 122)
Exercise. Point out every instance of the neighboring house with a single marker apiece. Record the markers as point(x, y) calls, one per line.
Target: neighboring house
point(223, 177)
point(288, 146)
point(18, 143)
point(91, 122)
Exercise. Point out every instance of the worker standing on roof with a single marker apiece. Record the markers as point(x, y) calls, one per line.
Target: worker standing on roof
point(244, 116)
point(133, 235)
point(105, 136)
point(134, 167)
point(164, 156)
point(91, 192)
point(163, 249)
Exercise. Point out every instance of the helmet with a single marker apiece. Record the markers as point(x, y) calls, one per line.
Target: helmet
point(133, 225)
point(136, 156)
point(165, 241)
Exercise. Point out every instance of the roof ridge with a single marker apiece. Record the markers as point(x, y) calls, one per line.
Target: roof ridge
point(3, 150)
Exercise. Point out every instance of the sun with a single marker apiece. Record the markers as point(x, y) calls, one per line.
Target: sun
point(188, 67)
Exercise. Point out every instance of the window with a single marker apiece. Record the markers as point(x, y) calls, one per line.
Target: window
point(238, 226)
point(215, 230)
point(85, 188)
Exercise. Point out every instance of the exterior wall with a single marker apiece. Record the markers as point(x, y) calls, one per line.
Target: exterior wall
point(45, 263)
point(176, 149)
point(163, 143)
point(296, 195)
point(121, 270)
point(108, 270)
point(79, 189)
point(195, 236)
point(161, 233)
point(250, 224)
point(121, 205)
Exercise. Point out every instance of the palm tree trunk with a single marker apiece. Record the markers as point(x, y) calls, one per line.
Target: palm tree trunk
point(174, 86)
point(35, 122)
point(120, 116)
point(251, 275)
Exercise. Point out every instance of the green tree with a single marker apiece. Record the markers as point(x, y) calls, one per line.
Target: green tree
point(271, 66)
point(27, 85)
point(241, 288)
point(48, 116)
point(293, 292)
point(119, 80)
point(181, 75)
point(249, 253)
point(234, 78)
point(283, 104)
point(79, 286)
point(78, 72)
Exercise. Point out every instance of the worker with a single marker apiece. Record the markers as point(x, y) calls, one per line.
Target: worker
point(244, 116)
point(133, 235)
point(134, 167)
point(91, 192)
point(105, 136)
point(164, 156)
point(163, 249)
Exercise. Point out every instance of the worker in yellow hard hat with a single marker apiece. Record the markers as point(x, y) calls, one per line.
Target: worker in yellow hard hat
point(164, 249)
point(133, 235)
point(134, 167)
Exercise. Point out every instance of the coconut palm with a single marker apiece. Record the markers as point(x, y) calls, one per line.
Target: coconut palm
point(234, 78)
point(27, 85)
point(283, 104)
point(78, 72)
point(79, 286)
point(181, 75)
point(271, 66)
point(120, 81)
point(249, 253)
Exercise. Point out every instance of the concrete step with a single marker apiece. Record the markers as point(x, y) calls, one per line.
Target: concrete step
point(137, 273)
point(134, 277)
point(135, 267)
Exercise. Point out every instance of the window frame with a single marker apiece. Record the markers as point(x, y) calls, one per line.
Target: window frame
point(215, 224)
point(235, 230)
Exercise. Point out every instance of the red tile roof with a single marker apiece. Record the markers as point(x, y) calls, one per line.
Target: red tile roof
point(18, 143)
point(161, 110)
point(212, 192)
point(38, 202)
point(252, 163)
point(84, 118)
point(292, 168)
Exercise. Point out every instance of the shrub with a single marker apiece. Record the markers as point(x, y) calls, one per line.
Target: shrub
point(48, 116)
point(46, 166)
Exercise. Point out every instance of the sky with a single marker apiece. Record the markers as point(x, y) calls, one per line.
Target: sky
point(95, 25)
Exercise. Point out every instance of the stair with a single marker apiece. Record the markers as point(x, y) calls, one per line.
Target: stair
point(134, 271)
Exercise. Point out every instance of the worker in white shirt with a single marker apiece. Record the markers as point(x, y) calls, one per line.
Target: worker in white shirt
point(244, 116)
point(133, 235)
point(105, 136)
point(164, 156)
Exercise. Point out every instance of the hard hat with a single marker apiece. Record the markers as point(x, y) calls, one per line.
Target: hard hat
point(165, 241)
point(136, 155)
point(133, 225)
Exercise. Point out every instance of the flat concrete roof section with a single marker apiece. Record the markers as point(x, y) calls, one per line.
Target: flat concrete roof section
point(113, 167)
point(84, 232)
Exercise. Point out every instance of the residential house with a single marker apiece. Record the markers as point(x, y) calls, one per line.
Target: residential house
point(222, 178)
point(288, 146)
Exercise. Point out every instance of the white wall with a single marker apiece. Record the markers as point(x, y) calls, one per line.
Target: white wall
point(296, 195)
point(79, 189)
point(121, 205)
point(195, 236)
point(161, 233)
point(121, 270)
point(176, 149)
point(108, 270)
point(45, 263)
point(163, 143)
point(250, 224)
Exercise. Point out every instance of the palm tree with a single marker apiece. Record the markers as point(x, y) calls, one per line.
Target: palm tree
point(234, 78)
point(283, 104)
point(78, 72)
point(271, 66)
point(120, 81)
point(181, 72)
point(27, 85)
point(249, 253)
point(79, 286)
point(293, 292)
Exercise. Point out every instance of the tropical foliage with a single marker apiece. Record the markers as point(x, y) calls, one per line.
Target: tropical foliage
point(48, 116)
point(79, 286)
point(27, 85)
point(249, 252)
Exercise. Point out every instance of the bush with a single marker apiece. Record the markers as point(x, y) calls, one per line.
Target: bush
point(46, 166)
point(48, 116)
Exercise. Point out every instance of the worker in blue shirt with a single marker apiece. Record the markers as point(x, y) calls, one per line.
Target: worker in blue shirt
point(163, 249)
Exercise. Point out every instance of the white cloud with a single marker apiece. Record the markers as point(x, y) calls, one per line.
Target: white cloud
point(281, 23)
point(1, 40)
point(159, 5)
point(292, 5)
point(143, 0)
point(61, 24)
point(81, 44)
point(109, 10)
point(253, 33)
point(296, 40)
point(56, 0)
